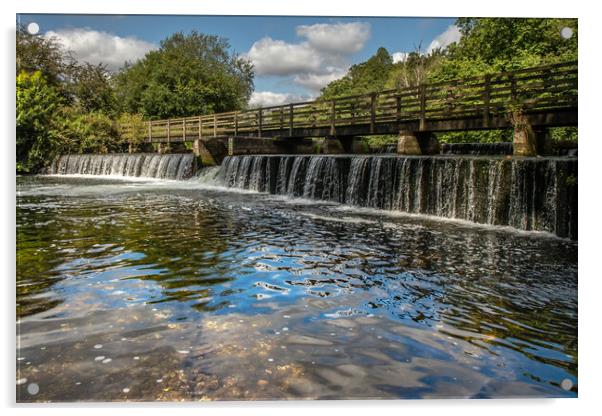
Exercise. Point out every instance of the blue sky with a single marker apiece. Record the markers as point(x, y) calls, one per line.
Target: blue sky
point(294, 56)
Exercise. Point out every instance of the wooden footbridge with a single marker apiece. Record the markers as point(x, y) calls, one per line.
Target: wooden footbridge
point(544, 96)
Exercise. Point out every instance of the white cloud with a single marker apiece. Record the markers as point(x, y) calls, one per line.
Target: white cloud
point(95, 47)
point(399, 57)
point(451, 35)
point(323, 55)
point(315, 82)
point(268, 99)
point(338, 38)
point(276, 57)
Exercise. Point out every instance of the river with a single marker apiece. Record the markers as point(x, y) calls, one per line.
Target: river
point(151, 289)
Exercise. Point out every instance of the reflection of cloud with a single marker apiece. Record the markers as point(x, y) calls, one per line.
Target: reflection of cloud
point(101, 47)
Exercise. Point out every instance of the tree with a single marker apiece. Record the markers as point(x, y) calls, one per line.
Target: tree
point(87, 132)
point(188, 75)
point(37, 102)
point(362, 78)
point(36, 53)
point(132, 129)
point(93, 90)
point(491, 45)
point(415, 69)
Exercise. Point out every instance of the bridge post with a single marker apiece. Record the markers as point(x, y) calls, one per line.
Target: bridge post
point(290, 120)
point(407, 144)
point(417, 143)
point(524, 141)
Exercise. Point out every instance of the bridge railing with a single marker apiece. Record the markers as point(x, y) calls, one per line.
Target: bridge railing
point(542, 88)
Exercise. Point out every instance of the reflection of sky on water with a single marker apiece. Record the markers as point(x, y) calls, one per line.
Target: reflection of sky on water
point(213, 285)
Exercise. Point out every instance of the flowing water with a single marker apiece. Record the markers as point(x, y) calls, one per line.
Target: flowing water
point(525, 193)
point(147, 165)
point(152, 289)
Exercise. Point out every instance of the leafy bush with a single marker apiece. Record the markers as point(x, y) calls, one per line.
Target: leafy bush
point(37, 103)
point(132, 129)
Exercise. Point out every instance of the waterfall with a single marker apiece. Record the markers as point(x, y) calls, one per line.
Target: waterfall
point(525, 193)
point(149, 165)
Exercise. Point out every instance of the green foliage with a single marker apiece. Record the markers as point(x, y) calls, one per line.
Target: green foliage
point(563, 134)
point(414, 70)
point(93, 90)
point(487, 45)
point(362, 78)
point(36, 104)
point(37, 53)
point(92, 132)
point(381, 140)
point(481, 136)
point(189, 74)
point(132, 129)
point(491, 45)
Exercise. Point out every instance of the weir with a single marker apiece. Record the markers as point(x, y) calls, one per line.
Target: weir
point(532, 194)
point(149, 165)
point(538, 194)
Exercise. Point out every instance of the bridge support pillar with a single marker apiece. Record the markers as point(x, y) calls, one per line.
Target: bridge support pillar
point(419, 143)
point(202, 152)
point(524, 142)
point(407, 144)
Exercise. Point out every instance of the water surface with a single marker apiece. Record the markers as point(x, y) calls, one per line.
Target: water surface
point(171, 290)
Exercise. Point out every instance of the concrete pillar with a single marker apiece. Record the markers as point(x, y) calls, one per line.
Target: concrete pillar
point(407, 144)
point(524, 142)
point(200, 150)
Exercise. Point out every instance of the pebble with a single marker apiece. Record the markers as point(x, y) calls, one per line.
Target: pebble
point(106, 360)
point(21, 381)
point(271, 360)
point(126, 390)
point(285, 329)
point(99, 358)
point(159, 380)
point(98, 346)
point(183, 351)
point(136, 358)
